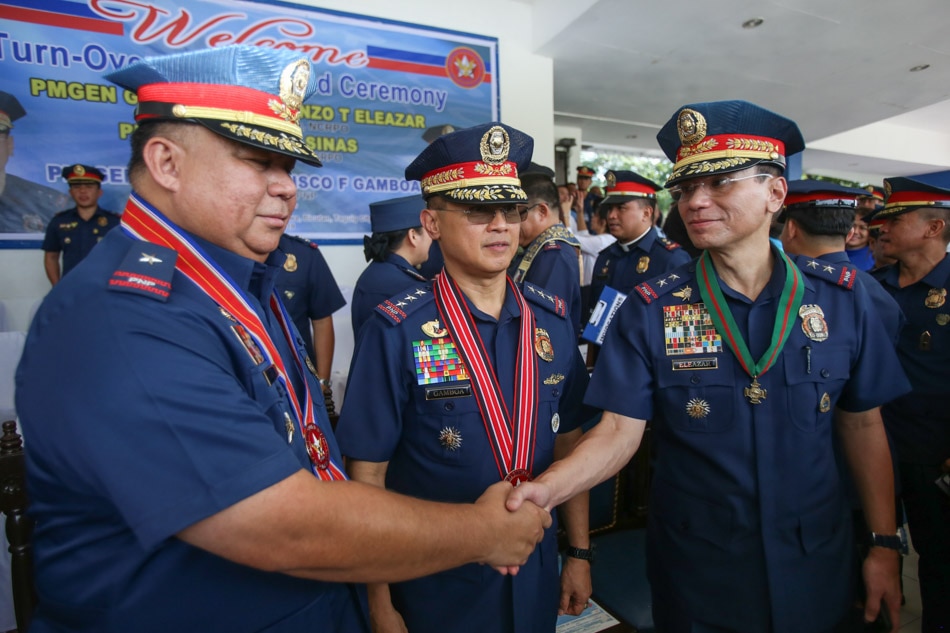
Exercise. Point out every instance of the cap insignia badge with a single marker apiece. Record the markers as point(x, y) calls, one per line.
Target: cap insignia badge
point(542, 345)
point(495, 146)
point(79, 170)
point(293, 87)
point(433, 329)
point(450, 438)
point(887, 190)
point(691, 126)
point(290, 264)
point(697, 408)
point(936, 297)
point(813, 322)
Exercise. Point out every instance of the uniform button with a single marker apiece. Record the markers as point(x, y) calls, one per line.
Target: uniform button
point(825, 373)
point(556, 393)
point(448, 406)
point(695, 379)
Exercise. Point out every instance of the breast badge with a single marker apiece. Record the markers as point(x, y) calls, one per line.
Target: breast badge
point(542, 344)
point(824, 405)
point(433, 329)
point(813, 322)
point(290, 264)
point(936, 298)
point(554, 379)
point(450, 438)
point(643, 264)
point(697, 408)
point(684, 293)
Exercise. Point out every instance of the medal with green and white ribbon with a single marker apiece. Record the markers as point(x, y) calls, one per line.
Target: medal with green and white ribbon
point(725, 324)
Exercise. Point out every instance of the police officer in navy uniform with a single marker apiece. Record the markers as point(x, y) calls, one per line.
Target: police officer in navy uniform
point(551, 254)
point(468, 381)
point(745, 365)
point(25, 207)
point(311, 295)
point(395, 250)
point(184, 477)
point(915, 230)
point(640, 252)
point(818, 217)
point(75, 231)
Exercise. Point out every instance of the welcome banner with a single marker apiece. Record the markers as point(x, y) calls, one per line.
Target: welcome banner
point(382, 85)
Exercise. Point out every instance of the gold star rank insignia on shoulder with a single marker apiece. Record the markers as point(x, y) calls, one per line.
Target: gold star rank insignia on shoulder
point(149, 259)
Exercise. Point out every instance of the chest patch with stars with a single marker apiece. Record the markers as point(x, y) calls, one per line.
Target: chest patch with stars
point(688, 329)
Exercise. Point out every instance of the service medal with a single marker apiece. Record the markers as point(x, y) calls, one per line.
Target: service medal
point(555, 422)
point(943, 319)
point(643, 264)
point(450, 438)
point(754, 392)
point(518, 476)
point(432, 329)
point(290, 264)
point(542, 345)
point(936, 297)
point(697, 408)
point(317, 447)
point(824, 405)
point(813, 322)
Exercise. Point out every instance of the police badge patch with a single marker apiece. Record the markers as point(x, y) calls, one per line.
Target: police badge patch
point(813, 322)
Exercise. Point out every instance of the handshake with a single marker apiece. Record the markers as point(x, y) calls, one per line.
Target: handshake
point(511, 523)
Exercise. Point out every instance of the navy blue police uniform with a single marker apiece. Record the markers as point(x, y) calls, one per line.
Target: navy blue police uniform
point(166, 352)
point(307, 286)
point(412, 404)
point(423, 419)
point(749, 526)
point(622, 267)
point(74, 237)
point(377, 283)
point(554, 267)
point(744, 532)
point(920, 421)
point(180, 420)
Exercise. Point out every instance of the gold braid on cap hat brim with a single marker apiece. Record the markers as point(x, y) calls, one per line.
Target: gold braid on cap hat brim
point(181, 111)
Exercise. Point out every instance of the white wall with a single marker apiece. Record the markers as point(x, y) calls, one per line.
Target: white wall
point(527, 103)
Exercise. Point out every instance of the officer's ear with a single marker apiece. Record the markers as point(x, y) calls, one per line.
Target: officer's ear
point(429, 218)
point(163, 156)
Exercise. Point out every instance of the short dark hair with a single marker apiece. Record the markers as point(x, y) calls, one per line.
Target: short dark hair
point(829, 222)
point(936, 213)
point(540, 187)
point(143, 134)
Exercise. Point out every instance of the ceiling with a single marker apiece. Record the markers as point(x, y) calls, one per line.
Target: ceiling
point(839, 68)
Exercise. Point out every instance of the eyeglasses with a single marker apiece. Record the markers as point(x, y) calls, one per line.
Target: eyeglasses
point(715, 187)
point(513, 214)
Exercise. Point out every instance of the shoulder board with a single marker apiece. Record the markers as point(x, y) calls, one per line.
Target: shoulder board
point(668, 244)
point(680, 281)
point(539, 296)
point(146, 270)
point(836, 274)
point(302, 240)
point(398, 307)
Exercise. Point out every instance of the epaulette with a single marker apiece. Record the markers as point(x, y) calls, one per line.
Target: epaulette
point(678, 279)
point(668, 244)
point(837, 274)
point(397, 308)
point(541, 297)
point(302, 240)
point(146, 270)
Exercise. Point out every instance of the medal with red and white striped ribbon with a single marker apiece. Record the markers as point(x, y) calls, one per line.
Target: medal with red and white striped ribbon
point(512, 439)
point(148, 225)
